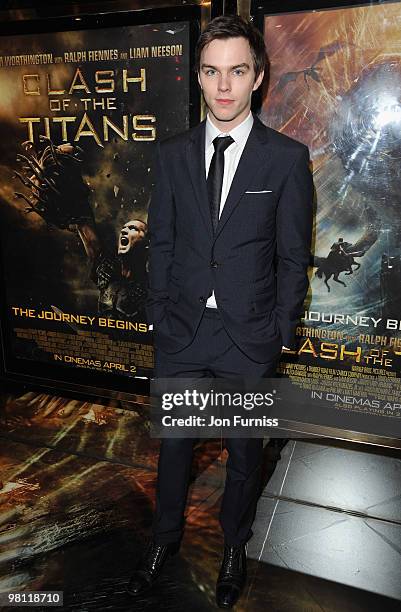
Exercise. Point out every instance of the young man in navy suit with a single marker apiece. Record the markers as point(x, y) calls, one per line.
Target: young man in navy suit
point(230, 226)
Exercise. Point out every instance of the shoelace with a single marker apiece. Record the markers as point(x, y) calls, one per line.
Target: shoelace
point(153, 556)
point(232, 555)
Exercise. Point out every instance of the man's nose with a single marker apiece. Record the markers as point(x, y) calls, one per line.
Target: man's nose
point(224, 83)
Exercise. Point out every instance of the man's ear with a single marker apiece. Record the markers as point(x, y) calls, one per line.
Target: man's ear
point(258, 80)
point(199, 81)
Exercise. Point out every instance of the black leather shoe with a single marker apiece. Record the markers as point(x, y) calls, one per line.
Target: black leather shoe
point(232, 576)
point(150, 566)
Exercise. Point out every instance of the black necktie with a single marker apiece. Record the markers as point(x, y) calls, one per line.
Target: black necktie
point(215, 176)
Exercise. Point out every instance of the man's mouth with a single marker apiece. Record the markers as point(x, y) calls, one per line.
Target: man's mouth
point(224, 101)
point(124, 241)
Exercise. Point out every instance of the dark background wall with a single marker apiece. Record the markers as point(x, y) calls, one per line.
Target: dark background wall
point(11, 10)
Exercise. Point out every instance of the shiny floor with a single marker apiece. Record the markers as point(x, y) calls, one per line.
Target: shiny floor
point(77, 482)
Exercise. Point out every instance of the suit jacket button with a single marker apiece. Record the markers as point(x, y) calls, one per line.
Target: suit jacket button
point(201, 299)
point(213, 264)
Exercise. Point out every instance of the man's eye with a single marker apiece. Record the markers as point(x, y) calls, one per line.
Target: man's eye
point(210, 72)
point(239, 72)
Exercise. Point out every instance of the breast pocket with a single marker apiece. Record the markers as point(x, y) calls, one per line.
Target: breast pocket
point(260, 208)
point(260, 197)
point(259, 191)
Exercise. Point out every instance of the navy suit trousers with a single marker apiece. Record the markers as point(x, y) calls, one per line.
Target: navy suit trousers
point(212, 353)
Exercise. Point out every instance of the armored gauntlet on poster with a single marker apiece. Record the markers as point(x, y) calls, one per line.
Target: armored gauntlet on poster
point(53, 176)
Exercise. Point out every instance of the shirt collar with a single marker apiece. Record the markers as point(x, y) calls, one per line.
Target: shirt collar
point(239, 133)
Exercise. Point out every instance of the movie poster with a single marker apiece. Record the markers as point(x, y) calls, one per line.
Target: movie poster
point(81, 113)
point(335, 84)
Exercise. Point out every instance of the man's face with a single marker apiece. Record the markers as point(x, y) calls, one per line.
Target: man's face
point(131, 233)
point(227, 77)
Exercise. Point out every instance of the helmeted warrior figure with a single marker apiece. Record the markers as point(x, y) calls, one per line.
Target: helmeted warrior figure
point(59, 194)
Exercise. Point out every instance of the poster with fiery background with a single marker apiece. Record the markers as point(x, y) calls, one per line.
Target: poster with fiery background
point(80, 115)
point(335, 84)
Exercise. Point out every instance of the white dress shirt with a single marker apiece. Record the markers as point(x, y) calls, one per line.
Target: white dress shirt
point(232, 155)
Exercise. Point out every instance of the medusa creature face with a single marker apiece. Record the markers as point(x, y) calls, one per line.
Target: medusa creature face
point(131, 233)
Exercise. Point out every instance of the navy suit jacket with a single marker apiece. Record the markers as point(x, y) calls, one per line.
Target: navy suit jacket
point(257, 259)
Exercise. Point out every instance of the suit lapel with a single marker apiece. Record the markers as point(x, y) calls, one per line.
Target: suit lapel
point(252, 159)
point(195, 154)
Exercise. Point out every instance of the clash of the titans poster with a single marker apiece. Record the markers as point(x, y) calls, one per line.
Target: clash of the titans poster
point(80, 115)
point(335, 84)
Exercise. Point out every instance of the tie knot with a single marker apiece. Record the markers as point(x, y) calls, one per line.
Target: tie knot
point(221, 143)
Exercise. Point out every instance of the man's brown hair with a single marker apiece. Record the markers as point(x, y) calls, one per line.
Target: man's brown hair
point(233, 26)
